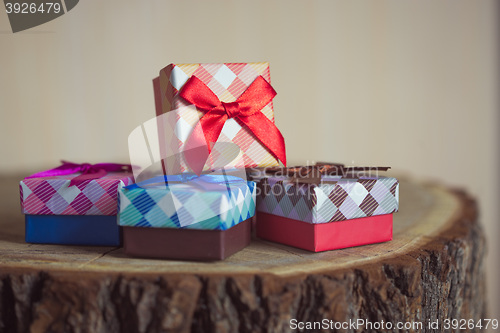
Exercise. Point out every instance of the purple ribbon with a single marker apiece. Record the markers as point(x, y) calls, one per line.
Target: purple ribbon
point(88, 171)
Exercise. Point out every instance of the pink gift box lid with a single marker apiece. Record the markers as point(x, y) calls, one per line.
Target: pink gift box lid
point(53, 195)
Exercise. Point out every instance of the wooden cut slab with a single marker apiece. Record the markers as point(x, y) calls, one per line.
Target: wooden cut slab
point(433, 269)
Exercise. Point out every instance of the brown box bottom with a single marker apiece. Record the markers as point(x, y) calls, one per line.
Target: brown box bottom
point(186, 244)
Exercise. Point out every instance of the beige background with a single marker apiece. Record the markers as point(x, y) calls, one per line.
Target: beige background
point(411, 84)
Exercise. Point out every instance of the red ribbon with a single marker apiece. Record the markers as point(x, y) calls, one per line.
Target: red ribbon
point(88, 171)
point(246, 110)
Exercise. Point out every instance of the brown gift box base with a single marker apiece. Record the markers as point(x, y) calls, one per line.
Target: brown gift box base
point(186, 244)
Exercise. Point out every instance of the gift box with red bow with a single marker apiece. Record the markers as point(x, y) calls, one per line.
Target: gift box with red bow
point(74, 204)
point(326, 206)
point(216, 105)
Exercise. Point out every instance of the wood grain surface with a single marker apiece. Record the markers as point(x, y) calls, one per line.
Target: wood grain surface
point(432, 270)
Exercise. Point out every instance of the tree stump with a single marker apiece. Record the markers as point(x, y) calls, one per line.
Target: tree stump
point(432, 270)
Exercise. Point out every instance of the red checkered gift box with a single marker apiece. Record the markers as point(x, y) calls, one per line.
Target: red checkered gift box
point(229, 82)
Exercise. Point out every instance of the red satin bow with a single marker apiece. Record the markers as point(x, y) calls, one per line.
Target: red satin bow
point(246, 110)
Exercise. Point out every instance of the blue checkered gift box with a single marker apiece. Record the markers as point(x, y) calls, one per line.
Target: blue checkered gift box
point(208, 202)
